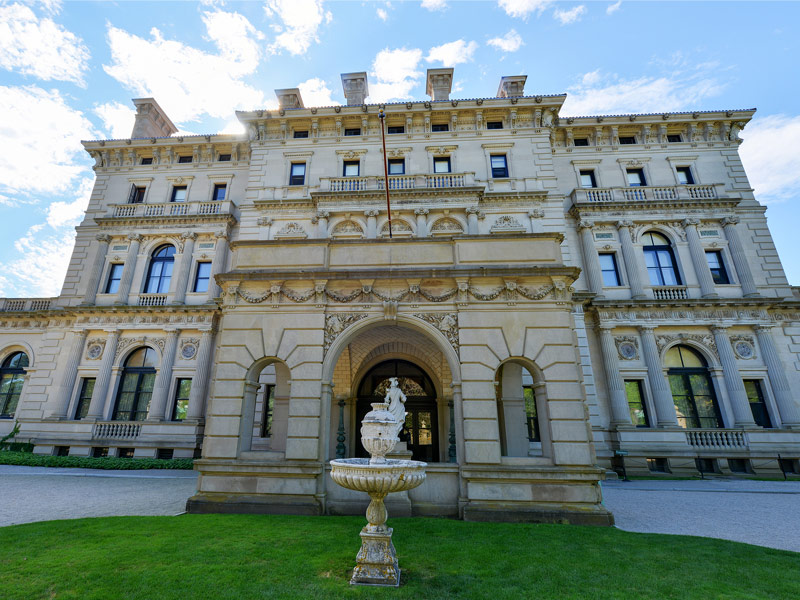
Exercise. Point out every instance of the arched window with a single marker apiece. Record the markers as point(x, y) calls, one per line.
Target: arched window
point(692, 392)
point(160, 271)
point(138, 377)
point(12, 374)
point(660, 260)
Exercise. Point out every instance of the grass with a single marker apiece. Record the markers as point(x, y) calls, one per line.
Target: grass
point(85, 462)
point(255, 556)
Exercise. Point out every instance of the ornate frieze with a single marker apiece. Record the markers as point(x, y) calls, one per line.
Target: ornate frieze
point(705, 340)
point(123, 343)
point(507, 224)
point(447, 323)
point(292, 230)
point(336, 323)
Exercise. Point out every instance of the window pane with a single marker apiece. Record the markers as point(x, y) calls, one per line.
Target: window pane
point(587, 179)
point(178, 194)
point(635, 177)
point(441, 165)
point(219, 192)
point(633, 391)
point(608, 266)
point(351, 169)
point(397, 166)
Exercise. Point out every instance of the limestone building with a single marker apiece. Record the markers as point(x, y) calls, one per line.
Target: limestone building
point(556, 294)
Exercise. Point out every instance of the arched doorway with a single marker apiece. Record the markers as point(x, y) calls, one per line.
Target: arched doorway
point(421, 429)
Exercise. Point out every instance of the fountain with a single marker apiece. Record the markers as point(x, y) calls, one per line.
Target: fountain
point(376, 562)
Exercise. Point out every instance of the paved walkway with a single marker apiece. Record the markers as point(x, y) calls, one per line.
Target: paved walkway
point(766, 513)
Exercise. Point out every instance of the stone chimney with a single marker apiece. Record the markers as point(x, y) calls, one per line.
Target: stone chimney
point(439, 83)
point(355, 88)
point(289, 98)
point(151, 120)
point(511, 86)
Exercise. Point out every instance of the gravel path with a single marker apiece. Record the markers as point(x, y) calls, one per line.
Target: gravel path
point(765, 513)
point(30, 494)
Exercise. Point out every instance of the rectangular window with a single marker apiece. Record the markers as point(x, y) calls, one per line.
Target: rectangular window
point(441, 164)
point(658, 465)
point(588, 180)
point(99, 452)
point(350, 168)
point(633, 391)
point(440, 127)
point(608, 266)
point(298, 174)
point(182, 390)
point(84, 398)
point(300, 134)
point(531, 416)
point(147, 160)
point(165, 453)
point(499, 165)
point(184, 159)
point(267, 411)
point(397, 166)
point(202, 277)
point(353, 131)
point(718, 273)
point(685, 175)
point(396, 129)
point(220, 189)
point(494, 124)
point(757, 404)
point(137, 194)
point(674, 137)
point(581, 141)
point(114, 277)
point(178, 193)
point(627, 139)
point(636, 178)
point(125, 453)
point(224, 158)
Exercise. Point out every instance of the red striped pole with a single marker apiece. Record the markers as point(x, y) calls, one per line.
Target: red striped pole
point(382, 116)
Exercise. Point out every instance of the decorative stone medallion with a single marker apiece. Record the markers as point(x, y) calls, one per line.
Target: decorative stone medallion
point(188, 349)
point(743, 348)
point(94, 351)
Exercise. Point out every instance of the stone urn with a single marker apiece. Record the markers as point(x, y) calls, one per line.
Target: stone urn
point(376, 562)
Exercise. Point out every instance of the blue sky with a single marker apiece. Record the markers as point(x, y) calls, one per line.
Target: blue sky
point(69, 69)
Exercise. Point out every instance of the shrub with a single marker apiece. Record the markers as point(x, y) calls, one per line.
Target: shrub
point(83, 462)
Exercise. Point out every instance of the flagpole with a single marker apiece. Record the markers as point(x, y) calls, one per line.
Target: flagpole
point(382, 116)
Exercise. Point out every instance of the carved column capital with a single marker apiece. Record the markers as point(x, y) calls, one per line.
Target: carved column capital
point(188, 235)
point(732, 220)
point(719, 328)
point(585, 224)
point(371, 213)
point(646, 328)
point(323, 214)
point(624, 224)
point(472, 210)
point(103, 237)
point(690, 222)
point(135, 237)
point(421, 211)
point(221, 235)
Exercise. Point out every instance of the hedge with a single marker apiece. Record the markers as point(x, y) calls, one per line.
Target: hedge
point(83, 462)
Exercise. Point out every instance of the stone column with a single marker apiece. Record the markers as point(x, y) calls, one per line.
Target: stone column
point(699, 259)
point(472, 220)
point(64, 391)
point(742, 415)
point(130, 267)
point(322, 224)
point(594, 276)
point(631, 259)
point(97, 269)
point(372, 224)
point(98, 402)
point(422, 222)
point(185, 268)
point(218, 264)
point(620, 412)
point(158, 401)
point(739, 257)
point(787, 407)
point(662, 396)
point(197, 395)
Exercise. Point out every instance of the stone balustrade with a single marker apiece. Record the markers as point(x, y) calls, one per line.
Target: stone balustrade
point(397, 182)
point(647, 193)
point(717, 439)
point(116, 430)
point(25, 304)
point(670, 292)
point(169, 209)
point(152, 299)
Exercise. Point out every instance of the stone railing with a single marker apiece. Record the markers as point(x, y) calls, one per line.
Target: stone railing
point(117, 430)
point(152, 299)
point(169, 209)
point(670, 292)
point(397, 182)
point(717, 439)
point(25, 304)
point(647, 193)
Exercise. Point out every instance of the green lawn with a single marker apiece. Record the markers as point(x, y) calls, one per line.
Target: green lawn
point(243, 557)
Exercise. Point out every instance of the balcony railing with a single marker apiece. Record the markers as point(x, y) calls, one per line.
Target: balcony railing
point(647, 193)
point(670, 292)
point(169, 209)
point(152, 299)
point(397, 182)
point(116, 430)
point(24, 304)
point(717, 439)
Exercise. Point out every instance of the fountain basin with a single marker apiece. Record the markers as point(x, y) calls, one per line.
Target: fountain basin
point(379, 479)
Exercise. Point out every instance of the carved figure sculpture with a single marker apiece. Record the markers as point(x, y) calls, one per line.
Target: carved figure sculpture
point(396, 400)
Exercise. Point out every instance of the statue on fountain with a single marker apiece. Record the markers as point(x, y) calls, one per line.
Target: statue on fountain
point(396, 400)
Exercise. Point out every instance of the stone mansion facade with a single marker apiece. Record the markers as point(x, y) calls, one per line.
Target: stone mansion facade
point(558, 296)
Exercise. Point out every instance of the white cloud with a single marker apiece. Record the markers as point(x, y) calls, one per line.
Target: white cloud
point(60, 214)
point(301, 22)
point(41, 150)
point(315, 92)
point(510, 42)
point(612, 8)
point(40, 47)
point(434, 4)
point(43, 263)
point(188, 82)
point(452, 53)
point(382, 14)
point(117, 119)
point(523, 8)
point(234, 126)
point(566, 17)
point(396, 74)
point(608, 94)
point(774, 172)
